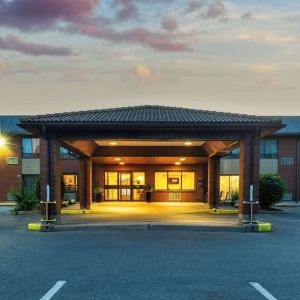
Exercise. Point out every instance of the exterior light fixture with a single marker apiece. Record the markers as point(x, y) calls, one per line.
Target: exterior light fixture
point(121, 163)
point(117, 159)
point(188, 143)
point(2, 141)
point(177, 163)
point(182, 158)
point(113, 143)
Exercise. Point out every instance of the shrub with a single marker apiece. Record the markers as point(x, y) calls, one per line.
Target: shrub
point(28, 199)
point(271, 190)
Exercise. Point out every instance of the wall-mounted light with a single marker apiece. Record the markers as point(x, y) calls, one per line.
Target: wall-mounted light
point(3, 141)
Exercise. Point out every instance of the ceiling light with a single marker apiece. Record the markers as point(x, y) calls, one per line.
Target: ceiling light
point(117, 159)
point(113, 143)
point(188, 143)
point(182, 158)
point(121, 163)
point(177, 163)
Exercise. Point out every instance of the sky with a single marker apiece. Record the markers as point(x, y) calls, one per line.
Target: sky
point(65, 55)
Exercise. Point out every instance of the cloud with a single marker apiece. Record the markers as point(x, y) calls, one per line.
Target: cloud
point(127, 9)
point(156, 40)
point(268, 37)
point(144, 73)
point(12, 42)
point(194, 5)
point(33, 14)
point(168, 24)
point(246, 16)
point(262, 68)
point(208, 9)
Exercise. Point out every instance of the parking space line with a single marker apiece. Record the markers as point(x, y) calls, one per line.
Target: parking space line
point(57, 286)
point(262, 291)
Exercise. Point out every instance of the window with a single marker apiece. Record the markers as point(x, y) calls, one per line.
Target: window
point(287, 161)
point(66, 154)
point(30, 147)
point(268, 149)
point(111, 178)
point(70, 182)
point(175, 181)
point(138, 178)
point(29, 182)
point(235, 154)
point(228, 185)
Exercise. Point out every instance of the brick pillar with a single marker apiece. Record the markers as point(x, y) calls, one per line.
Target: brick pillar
point(44, 174)
point(89, 184)
point(213, 170)
point(249, 174)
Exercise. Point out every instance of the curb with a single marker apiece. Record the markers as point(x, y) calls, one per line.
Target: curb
point(259, 227)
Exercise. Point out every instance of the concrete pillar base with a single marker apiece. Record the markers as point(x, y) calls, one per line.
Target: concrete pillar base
point(245, 218)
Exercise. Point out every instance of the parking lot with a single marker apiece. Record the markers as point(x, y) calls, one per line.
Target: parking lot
point(150, 264)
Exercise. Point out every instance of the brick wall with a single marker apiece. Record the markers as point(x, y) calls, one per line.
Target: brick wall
point(10, 175)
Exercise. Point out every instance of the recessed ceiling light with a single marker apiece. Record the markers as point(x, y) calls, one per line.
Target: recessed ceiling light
point(117, 158)
point(121, 163)
point(177, 163)
point(182, 158)
point(188, 143)
point(113, 143)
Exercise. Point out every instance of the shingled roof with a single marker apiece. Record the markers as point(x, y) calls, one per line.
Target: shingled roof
point(149, 114)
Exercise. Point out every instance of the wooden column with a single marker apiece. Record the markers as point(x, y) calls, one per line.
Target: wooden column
point(249, 174)
point(213, 170)
point(89, 183)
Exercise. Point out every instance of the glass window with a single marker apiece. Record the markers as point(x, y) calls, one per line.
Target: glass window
point(161, 180)
point(138, 178)
point(111, 178)
point(66, 154)
point(125, 178)
point(111, 194)
point(70, 182)
point(268, 148)
point(228, 185)
point(188, 180)
point(174, 180)
point(29, 181)
point(30, 147)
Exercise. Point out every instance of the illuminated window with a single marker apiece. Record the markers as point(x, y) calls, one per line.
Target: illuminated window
point(188, 180)
point(138, 178)
point(111, 178)
point(228, 186)
point(111, 194)
point(174, 180)
point(70, 181)
point(161, 180)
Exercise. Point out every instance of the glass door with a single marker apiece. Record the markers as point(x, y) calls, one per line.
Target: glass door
point(138, 182)
point(125, 186)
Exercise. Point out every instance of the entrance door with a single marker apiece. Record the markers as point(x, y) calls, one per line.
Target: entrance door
point(125, 186)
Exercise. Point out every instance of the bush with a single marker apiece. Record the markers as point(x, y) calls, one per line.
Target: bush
point(271, 190)
point(28, 199)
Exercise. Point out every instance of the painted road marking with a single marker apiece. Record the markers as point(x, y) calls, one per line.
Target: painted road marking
point(57, 286)
point(263, 291)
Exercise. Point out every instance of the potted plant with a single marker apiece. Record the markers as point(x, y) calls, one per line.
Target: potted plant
point(98, 191)
point(148, 191)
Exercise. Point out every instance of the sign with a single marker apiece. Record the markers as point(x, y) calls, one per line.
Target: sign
point(12, 160)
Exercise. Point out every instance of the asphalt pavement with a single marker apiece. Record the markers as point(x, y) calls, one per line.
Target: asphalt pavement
point(150, 264)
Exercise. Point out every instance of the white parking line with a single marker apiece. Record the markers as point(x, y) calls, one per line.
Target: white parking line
point(263, 291)
point(53, 290)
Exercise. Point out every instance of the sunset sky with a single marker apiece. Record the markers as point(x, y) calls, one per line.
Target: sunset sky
point(66, 55)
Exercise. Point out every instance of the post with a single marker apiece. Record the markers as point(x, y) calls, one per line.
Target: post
point(89, 183)
point(249, 176)
point(213, 181)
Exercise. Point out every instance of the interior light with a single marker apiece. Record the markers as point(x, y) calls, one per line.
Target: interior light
point(177, 163)
point(188, 143)
point(113, 143)
point(182, 158)
point(117, 159)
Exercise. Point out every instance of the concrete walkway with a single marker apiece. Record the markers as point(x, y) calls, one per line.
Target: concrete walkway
point(148, 213)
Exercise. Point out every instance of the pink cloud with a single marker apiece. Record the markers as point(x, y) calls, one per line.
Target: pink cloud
point(12, 42)
point(33, 14)
point(140, 35)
